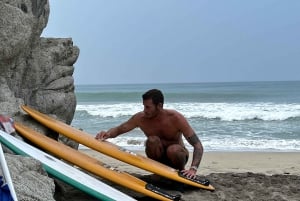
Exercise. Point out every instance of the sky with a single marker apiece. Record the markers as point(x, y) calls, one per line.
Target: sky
point(177, 41)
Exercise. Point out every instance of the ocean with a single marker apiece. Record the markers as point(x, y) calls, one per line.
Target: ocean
point(229, 116)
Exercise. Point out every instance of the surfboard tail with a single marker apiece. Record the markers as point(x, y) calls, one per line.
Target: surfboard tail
point(159, 191)
point(197, 179)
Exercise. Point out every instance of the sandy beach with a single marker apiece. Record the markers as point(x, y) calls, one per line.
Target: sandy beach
point(235, 175)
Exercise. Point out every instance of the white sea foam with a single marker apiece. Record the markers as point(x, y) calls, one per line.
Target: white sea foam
point(218, 144)
point(111, 110)
point(222, 111)
point(243, 144)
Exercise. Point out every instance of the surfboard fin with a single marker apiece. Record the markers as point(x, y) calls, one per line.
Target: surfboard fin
point(159, 191)
point(198, 180)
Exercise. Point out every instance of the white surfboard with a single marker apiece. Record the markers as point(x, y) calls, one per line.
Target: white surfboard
point(65, 172)
point(6, 175)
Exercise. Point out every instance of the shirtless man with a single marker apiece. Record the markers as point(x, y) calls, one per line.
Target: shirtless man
point(164, 129)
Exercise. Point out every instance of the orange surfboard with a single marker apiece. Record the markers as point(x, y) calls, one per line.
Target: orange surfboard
point(115, 151)
point(93, 165)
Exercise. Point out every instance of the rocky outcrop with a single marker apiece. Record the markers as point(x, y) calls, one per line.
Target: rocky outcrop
point(35, 71)
point(38, 72)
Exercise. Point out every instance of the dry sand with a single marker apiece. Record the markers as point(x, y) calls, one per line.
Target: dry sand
point(235, 175)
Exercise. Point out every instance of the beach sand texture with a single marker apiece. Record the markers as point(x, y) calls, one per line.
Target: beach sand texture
point(235, 175)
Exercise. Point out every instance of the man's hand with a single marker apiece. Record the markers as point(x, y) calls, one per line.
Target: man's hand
point(191, 173)
point(103, 135)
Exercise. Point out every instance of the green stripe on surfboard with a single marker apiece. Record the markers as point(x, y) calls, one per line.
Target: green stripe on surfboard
point(8, 143)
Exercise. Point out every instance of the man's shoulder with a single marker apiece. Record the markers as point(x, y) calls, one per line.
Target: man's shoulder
point(138, 118)
point(138, 115)
point(175, 115)
point(172, 112)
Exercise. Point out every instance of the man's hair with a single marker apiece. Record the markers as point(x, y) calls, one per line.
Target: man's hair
point(156, 96)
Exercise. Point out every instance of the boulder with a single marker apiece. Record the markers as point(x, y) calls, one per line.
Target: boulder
point(35, 71)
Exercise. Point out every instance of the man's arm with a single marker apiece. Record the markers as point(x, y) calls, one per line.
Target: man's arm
point(197, 155)
point(193, 140)
point(198, 150)
point(122, 128)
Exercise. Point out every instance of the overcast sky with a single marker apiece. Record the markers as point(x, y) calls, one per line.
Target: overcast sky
point(167, 41)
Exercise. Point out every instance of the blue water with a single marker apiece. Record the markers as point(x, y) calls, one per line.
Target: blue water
point(237, 116)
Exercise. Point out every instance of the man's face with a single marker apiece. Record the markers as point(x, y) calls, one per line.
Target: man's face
point(150, 110)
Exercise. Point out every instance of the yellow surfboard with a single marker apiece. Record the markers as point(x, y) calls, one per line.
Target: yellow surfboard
point(116, 152)
point(93, 165)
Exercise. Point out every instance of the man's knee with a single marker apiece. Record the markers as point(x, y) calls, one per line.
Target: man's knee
point(178, 156)
point(153, 141)
point(154, 148)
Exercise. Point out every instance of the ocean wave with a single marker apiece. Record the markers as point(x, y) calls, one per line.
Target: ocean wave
point(221, 111)
point(244, 144)
point(220, 144)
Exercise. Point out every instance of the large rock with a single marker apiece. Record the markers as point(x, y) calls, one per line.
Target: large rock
point(38, 72)
point(21, 25)
point(35, 71)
